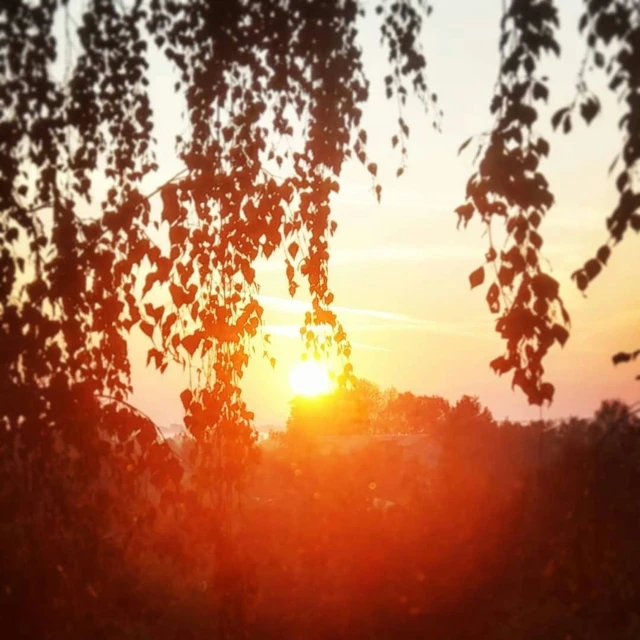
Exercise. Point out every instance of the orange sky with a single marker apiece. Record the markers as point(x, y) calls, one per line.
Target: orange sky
point(399, 270)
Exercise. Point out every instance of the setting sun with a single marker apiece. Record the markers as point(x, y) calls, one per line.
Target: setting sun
point(310, 378)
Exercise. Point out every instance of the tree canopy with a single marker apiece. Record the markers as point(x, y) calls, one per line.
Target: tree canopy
point(271, 89)
point(274, 86)
point(90, 234)
point(274, 94)
point(366, 409)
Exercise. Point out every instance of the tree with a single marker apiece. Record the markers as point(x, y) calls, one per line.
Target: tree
point(360, 409)
point(421, 414)
point(274, 93)
point(509, 184)
point(468, 410)
point(253, 74)
point(271, 88)
point(365, 409)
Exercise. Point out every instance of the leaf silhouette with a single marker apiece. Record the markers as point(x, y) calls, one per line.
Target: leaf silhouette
point(476, 278)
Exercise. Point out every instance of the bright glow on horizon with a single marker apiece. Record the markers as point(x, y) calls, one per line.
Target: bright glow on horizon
point(310, 378)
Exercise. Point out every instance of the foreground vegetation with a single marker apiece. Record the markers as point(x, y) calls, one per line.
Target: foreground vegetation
point(105, 531)
point(510, 531)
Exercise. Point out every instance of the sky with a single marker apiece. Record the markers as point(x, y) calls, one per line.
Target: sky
point(399, 269)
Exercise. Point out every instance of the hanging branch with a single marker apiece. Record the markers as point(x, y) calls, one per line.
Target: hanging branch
point(508, 184)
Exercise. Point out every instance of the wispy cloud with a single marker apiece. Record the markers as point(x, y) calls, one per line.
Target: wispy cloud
point(384, 254)
point(378, 320)
point(288, 305)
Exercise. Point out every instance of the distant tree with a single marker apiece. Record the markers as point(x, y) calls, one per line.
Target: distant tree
point(421, 414)
point(370, 397)
point(365, 409)
point(469, 409)
point(468, 419)
point(339, 413)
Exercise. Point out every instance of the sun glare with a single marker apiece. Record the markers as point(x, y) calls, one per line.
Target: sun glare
point(310, 378)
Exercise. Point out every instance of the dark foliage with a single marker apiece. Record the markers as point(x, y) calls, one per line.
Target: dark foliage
point(105, 530)
point(510, 531)
point(509, 184)
point(87, 484)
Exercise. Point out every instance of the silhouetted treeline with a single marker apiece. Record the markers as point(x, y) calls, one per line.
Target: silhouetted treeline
point(366, 409)
point(509, 531)
point(517, 531)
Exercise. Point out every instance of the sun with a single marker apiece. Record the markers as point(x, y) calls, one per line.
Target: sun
point(310, 378)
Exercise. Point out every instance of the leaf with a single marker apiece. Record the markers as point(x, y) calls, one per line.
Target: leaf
point(505, 276)
point(477, 277)
point(543, 147)
point(248, 272)
point(547, 391)
point(178, 234)
point(500, 365)
point(616, 81)
point(540, 91)
point(149, 282)
point(536, 239)
point(493, 298)
point(147, 328)
point(464, 145)
point(603, 254)
point(190, 343)
point(155, 355)
point(373, 169)
point(535, 219)
point(155, 312)
point(186, 396)
point(168, 323)
point(589, 109)
point(544, 286)
point(177, 294)
point(581, 279)
point(592, 268)
point(293, 250)
point(170, 206)
point(558, 116)
point(584, 18)
point(621, 357)
point(560, 334)
point(465, 212)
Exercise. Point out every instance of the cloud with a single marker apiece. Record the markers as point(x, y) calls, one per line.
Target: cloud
point(288, 305)
point(378, 320)
point(386, 253)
